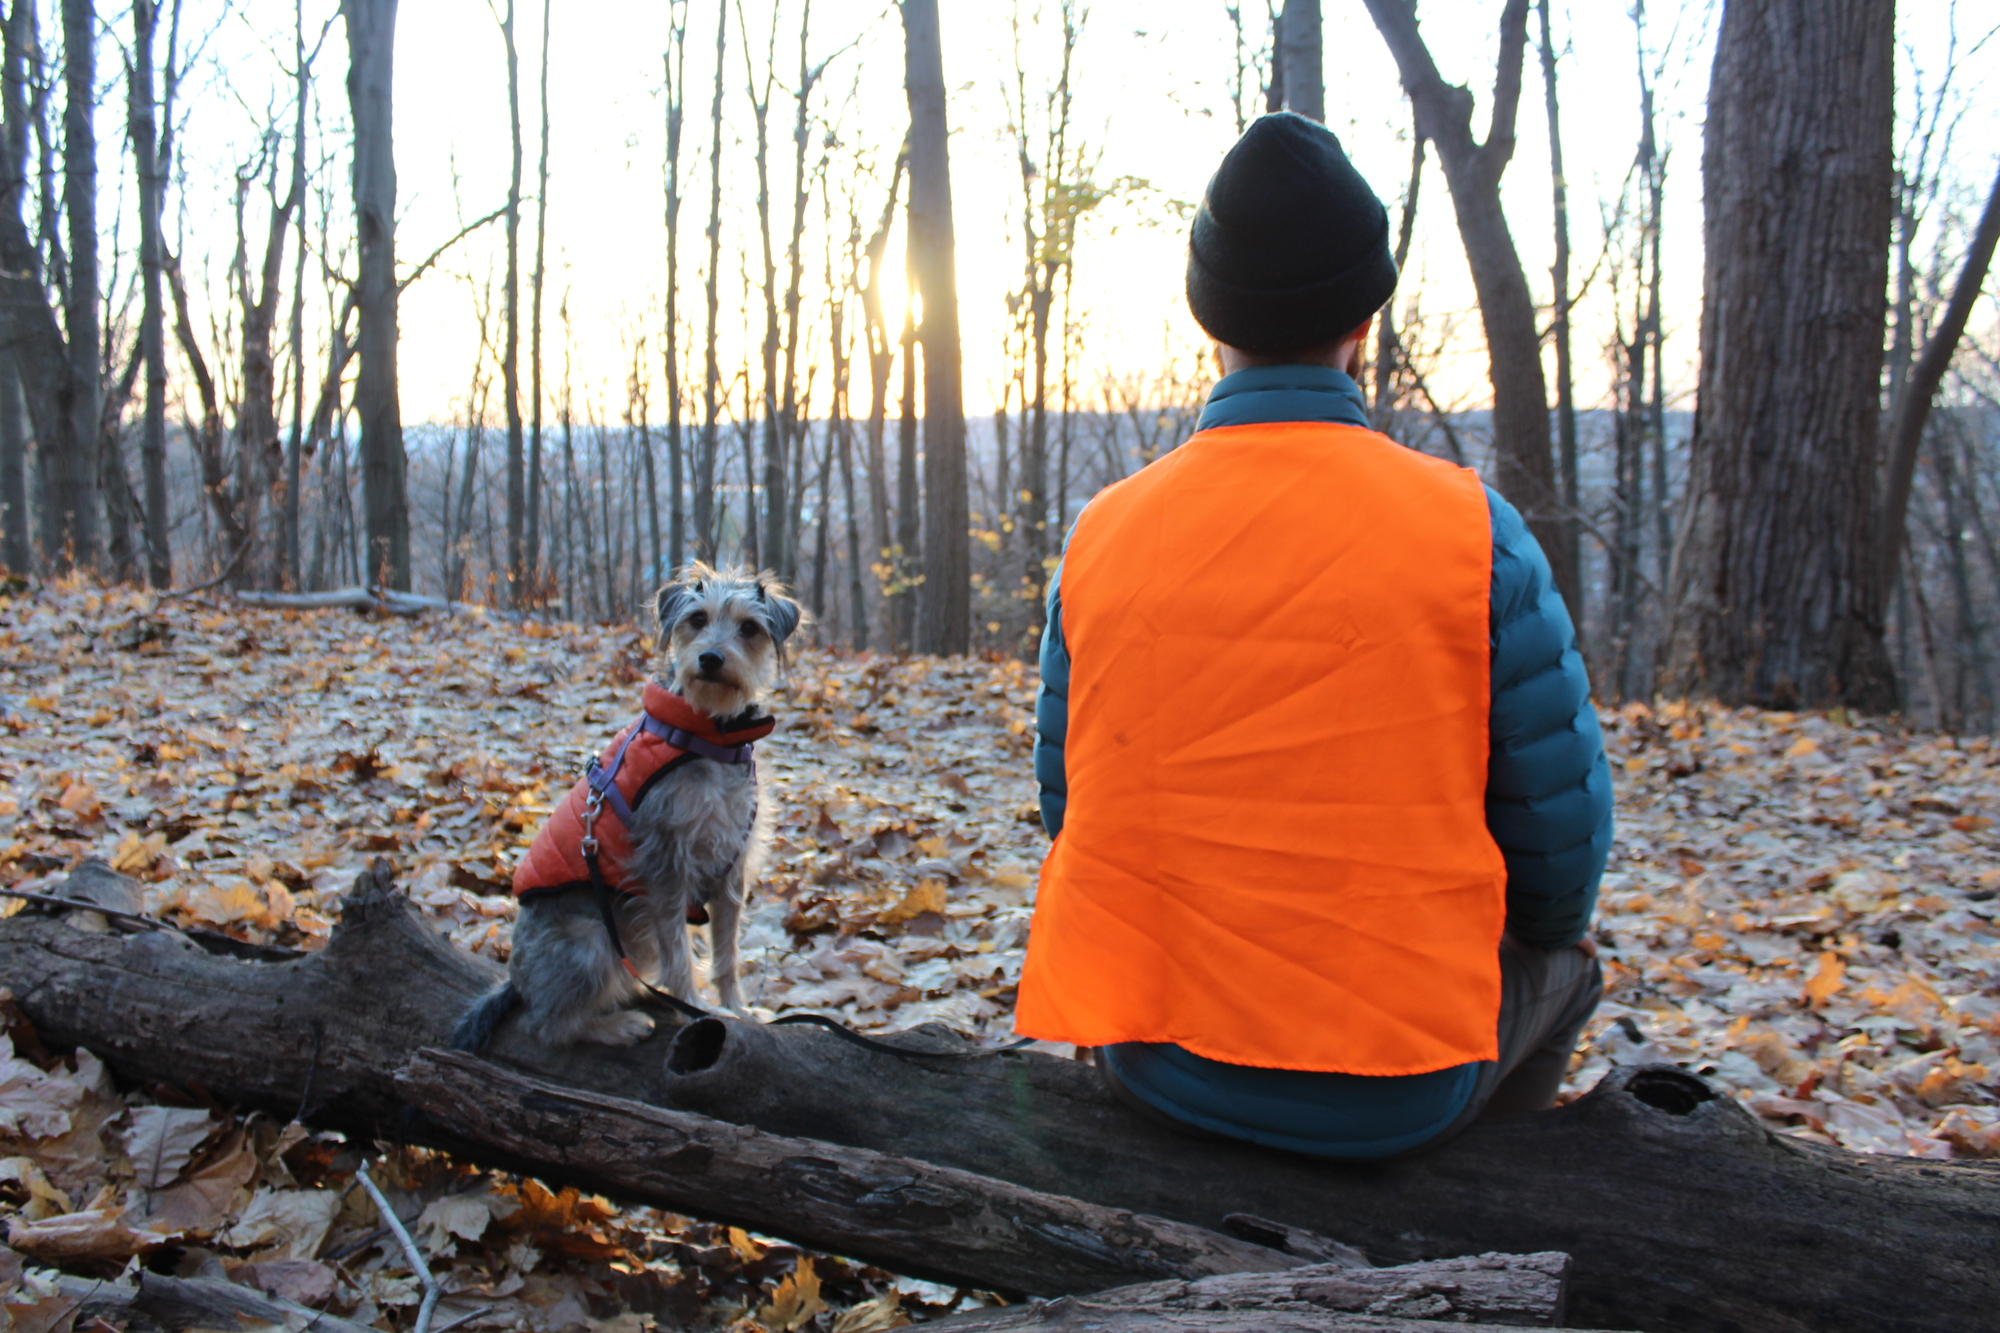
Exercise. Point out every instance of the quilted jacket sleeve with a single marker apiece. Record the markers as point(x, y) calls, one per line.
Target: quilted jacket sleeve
point(1052, 714)
point(1548, 786)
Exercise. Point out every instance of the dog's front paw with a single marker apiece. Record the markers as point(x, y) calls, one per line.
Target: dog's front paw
point(625, 1028)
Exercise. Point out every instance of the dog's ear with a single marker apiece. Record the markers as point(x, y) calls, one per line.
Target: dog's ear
point(781, 613)
point(673, 602)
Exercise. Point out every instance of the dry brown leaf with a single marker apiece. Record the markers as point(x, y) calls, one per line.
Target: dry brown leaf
point(97, 1232)
point(210, 1195)
point(160, 1140)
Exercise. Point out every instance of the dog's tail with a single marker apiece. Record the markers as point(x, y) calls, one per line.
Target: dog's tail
point(475, 1031)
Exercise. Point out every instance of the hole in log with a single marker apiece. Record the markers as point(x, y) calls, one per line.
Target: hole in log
point(1669, 1091)
point(697, 1046)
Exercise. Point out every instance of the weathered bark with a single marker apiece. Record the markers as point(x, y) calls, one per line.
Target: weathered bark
point(1773, 592)
point(371, 34)
point(74, 489)
point(896, 1211)
point(16, 553)
point(1680, 1211)
point(1488, 1290)
point(1910, 400)
point(28, 324)
point(944, 603)
point(1297, 56)
point(1524, 468)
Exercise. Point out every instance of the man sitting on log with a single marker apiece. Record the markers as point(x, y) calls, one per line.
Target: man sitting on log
point(1329, 800)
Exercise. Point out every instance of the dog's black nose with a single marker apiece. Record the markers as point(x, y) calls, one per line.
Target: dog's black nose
point(709, 662)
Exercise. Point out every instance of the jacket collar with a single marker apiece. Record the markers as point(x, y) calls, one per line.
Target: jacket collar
point(1264, 395)
point(667, 707)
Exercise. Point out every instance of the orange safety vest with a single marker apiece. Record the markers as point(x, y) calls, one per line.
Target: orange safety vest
point(668, 733)
point(1275, 849)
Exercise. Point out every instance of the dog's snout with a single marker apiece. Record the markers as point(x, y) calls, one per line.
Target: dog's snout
point(709, 662)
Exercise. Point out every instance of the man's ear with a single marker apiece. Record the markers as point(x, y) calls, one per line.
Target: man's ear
point(781, 613)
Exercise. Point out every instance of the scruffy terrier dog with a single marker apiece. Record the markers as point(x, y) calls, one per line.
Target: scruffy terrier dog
point(664, 831)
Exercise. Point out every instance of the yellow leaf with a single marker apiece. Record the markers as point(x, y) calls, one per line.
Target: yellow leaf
point(926, 895)
point(748, 1250)
point(882, 1313)
point(1826, 980)
point(796, 1301)
point(1805, 745)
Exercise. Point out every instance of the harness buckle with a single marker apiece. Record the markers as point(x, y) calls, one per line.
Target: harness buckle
point(591, 808)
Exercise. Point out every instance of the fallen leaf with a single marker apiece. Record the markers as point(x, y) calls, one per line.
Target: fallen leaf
point(926, 895)
point(875, 1316)
point(208, 1197)
point(44, 1199)
point(160, 1140)
point(1827, 980)
point(33, 1104)
point(795, 1303)
point(289, 1224)
point(97, 1232)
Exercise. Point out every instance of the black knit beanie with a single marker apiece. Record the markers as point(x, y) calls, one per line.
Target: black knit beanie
point(1290, 248)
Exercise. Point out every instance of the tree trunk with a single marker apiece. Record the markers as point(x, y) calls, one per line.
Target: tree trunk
point(518, 590)
point(1298, 59)
point(371, 34)
point(794, 435)
point(16, 553)
point(674, 62)
point(707, 521)
point(945, 599)
point(773, 552)
point(1910, 400)
point(881, 358)
point(1524, 466)
point(28, 324)
point(909, 510)
point(1773, 595)
point(1571, 552)
point(1680, 1211)
point(296, 444)
point(535, 487)
point(74, 498)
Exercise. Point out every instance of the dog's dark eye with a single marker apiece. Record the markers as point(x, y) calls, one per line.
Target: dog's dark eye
point(698, 620)
point(751, 629)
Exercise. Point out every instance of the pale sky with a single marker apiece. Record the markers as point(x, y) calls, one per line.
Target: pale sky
point(1152, 99)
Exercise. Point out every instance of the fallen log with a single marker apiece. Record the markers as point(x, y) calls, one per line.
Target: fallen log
point(924, 1220)
point(1506, 1290)
point(380, 601)
point(1679, 1209)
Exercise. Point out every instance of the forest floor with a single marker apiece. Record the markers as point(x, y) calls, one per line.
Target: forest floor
point(1800, 907)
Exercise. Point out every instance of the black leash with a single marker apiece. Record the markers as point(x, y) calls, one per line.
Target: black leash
point(605, 901)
